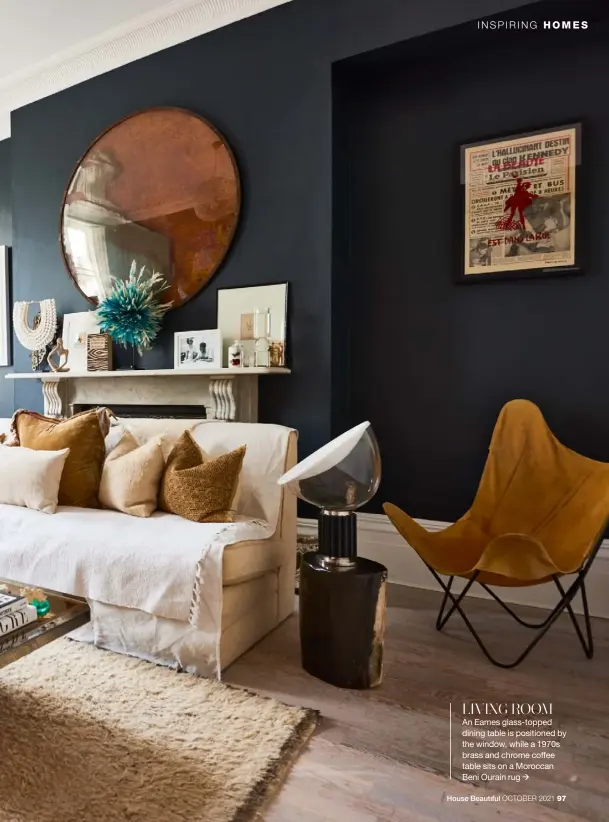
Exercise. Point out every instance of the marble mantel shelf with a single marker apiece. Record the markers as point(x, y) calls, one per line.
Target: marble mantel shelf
point(143, 372)
point(225, 393)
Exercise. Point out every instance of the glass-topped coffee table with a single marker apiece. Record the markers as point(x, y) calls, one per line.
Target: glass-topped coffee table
point(66, 614)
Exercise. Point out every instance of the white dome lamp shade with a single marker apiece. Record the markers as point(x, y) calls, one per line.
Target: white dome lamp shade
point(339, 478)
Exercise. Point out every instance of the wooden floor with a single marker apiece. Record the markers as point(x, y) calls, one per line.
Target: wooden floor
point(384, 754)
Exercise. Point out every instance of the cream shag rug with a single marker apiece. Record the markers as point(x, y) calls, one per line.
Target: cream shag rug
point(89, 735)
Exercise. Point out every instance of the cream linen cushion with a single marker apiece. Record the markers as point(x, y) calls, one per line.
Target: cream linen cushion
point(131, 476)
point(84, 435)
point(31, 478)
point(169, 430)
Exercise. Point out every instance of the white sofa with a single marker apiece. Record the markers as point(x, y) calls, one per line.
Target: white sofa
point(188, 595)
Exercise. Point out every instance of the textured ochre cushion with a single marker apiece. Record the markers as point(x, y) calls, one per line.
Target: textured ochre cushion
point(84, 435)
point(131, 476)
point(170, 431)
point(200, 489)
point(30, 478)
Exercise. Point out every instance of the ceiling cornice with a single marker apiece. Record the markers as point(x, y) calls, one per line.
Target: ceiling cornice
point(173, 23)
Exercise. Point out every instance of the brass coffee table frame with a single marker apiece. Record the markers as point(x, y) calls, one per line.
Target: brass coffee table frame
point(67, 613)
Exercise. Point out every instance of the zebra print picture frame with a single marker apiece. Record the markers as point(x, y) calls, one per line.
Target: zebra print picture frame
point(99, 352)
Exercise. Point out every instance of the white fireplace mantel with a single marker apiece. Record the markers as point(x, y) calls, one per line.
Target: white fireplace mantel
point(225, 393)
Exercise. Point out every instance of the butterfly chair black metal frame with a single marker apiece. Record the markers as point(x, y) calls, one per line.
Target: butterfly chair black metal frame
point(565, 603)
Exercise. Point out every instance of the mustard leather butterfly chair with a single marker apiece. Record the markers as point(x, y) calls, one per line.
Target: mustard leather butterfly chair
point(539, 515)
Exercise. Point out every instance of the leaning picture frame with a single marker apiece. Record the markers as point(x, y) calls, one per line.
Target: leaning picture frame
point(518, 205)
point(76, 327)
point(246, 313)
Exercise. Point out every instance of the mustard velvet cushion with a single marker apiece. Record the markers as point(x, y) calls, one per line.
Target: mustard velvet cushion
point(198, 488)
point(131, 476)
point(84, 435)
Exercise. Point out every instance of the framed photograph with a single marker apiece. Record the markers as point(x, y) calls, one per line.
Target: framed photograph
point(248, 313)
point(247, 327)
point(197, 349)
point(519, 205)
point(5, 301)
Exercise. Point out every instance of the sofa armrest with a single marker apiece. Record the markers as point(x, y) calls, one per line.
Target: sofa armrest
point(287, 535)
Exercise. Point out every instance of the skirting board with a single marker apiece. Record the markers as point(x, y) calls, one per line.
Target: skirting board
point(378, 540)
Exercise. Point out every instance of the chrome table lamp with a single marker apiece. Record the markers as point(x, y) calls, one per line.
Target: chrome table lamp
point(342, 596)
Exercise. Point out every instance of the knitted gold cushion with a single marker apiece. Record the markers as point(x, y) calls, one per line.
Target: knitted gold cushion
point(198, 488)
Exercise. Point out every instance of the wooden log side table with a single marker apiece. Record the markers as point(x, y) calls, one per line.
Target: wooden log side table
point(342, 620)
point(304, 544)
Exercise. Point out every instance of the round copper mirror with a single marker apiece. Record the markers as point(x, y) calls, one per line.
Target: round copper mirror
point(161, 188)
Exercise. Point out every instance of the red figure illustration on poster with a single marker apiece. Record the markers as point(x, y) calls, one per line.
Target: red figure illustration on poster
point(520, 199)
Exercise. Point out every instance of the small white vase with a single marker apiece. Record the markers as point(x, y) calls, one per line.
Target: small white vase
point(235, 355)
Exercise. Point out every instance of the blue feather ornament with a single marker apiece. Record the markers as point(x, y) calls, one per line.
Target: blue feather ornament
point(132, 312)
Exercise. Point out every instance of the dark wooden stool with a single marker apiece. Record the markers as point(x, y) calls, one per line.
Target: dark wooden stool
point(342, 620)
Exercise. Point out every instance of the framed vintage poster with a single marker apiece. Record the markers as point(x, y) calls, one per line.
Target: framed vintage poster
point(520, 205)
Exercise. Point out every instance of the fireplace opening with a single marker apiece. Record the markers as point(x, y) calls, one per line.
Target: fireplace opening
point(178, 412)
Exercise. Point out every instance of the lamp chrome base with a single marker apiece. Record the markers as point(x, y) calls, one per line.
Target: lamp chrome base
point(338, 535)
point(337, 563)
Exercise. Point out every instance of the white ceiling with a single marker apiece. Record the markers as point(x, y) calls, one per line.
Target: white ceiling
point(48, 45)
point(32, 31)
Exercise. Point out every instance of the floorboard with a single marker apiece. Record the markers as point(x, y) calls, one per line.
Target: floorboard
point(383, 754)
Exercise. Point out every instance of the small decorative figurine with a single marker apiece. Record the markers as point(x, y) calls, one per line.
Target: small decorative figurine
point(276, 355)
point(37, 598)
point(59, 351)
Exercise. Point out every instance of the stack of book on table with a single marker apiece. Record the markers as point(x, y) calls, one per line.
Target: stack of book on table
point(15, 613)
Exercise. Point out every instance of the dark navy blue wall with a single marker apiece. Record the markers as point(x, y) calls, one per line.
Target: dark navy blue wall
point(6, 238)
point(432, 362)
point(266, 82)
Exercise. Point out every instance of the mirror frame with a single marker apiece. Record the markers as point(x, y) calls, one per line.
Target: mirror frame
point(93, 300)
